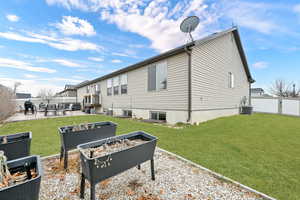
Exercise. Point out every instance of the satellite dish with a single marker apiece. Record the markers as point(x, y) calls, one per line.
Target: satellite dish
point(189, 24)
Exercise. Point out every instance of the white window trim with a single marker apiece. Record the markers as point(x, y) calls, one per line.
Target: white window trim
point(231, 80)
point(157, 88)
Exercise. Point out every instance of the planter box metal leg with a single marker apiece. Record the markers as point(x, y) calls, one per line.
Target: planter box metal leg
point(82, 186)
point(65, 159)
point(152, 170)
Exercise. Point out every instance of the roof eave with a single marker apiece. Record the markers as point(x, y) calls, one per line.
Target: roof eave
point(242, 54)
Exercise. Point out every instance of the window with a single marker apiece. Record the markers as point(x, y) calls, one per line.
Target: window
point(161, 116)
point(231, 80)
point(152, 78)
point(157, 76)
point(87, 89)
point(109, 87)
point(123, 83)
point(97, 88)
point(116, 82)
point(127, 113)
point(161, 76)
point(87, 99)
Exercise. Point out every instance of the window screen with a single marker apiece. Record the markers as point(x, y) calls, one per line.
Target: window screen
point(109, 87)
point(109, 83)
point(123, 84)
point(152, 78)
point(231, 80)
point(161, 116)
point(161, 75)
point(116, 83)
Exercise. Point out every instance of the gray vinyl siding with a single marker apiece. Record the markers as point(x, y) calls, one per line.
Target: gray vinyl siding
point(80, 94)
point(211, 63)
point(138, 96)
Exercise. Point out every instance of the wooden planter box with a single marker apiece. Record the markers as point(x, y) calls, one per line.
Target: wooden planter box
point(17, 146)
point(28, 190)
point(70, 139)
point(120, 161)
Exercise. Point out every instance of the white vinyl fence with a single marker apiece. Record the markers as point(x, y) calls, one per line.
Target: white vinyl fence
point(37, 101)
point(286, 106)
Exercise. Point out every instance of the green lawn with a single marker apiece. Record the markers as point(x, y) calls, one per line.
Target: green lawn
point(261, 151)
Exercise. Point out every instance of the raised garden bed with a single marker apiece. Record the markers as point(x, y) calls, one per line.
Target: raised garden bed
point(71, 136)
point(22, 180)
point(108, 157)
point(16, 145)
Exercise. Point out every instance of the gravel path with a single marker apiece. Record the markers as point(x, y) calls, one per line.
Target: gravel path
point(175, 180)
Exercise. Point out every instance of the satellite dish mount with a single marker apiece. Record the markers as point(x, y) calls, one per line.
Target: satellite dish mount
point(189, 24)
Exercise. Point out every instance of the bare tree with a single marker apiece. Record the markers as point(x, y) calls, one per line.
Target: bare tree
point(295, 91)
point(281, 88)
point(7, 105)
point(16, 85)
point(46, 94)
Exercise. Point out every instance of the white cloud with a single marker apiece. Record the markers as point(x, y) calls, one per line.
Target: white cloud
point(297, 8)
point(97, 59)
point(80, 4)
point(260, 65)
point(67, 63)
point(67, 44)
point(155, 21)
point(120, 54)
point(250, 15)
point(78, 77)
point(59, 79)
point(159, 20)
point(126, 53)
point(31, 86)
point(75, 26)
point(116, 61)
point(10, 63)
point(136, 45)
point(30, 76)
point(18, 37)
point(12, 18)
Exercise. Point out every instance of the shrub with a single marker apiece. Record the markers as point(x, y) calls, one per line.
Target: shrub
point(7, 103)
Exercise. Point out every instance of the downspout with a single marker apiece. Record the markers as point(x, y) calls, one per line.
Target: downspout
point(189, 53)
point(249, 93)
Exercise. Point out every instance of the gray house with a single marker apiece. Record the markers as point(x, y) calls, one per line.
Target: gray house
point(257, 92)
point(69, 91)
point(193, 83)
point(23, 95)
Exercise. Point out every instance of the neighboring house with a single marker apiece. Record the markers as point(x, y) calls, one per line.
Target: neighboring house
point(257, 92)
point(69, 91)
point(193, 83)
point(23, 95)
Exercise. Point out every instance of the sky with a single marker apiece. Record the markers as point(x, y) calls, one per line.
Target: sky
point(46, 44)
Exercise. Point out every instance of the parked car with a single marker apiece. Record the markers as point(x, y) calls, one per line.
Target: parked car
point(75, 106)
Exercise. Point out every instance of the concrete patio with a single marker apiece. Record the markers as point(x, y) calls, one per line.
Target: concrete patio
point(40, 115)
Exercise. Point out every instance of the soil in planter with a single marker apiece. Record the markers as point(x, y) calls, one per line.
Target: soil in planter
point(18, 175)
point(5, 139)
point(83, 127)
point(112, 147)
